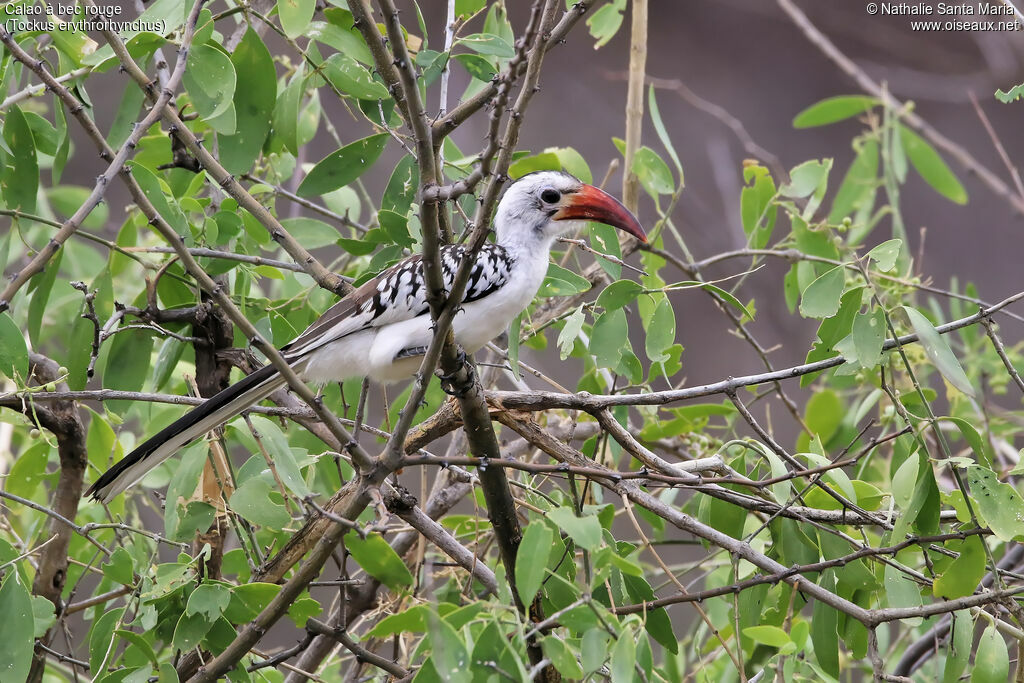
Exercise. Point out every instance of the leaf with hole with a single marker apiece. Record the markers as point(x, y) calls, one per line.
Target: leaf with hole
point(998, 503)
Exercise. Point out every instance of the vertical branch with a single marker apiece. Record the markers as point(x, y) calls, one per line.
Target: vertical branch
point(635, 102)
point(212, 376)
point(62, 419)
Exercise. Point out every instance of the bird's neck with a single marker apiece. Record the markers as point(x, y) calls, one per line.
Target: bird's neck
point(525, 243)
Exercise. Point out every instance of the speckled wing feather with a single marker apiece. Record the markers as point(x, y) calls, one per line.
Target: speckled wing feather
point(400, 293)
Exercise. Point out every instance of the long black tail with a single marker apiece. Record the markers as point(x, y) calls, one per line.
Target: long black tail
point(183, 431)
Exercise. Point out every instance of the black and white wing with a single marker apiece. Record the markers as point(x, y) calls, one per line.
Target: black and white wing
point(400, 293)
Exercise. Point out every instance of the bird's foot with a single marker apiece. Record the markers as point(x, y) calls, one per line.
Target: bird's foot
point(448, 379)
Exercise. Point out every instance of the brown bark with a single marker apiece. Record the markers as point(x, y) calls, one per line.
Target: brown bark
point(62, 420)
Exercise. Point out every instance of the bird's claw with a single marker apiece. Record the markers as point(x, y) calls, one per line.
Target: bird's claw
point(448, 379)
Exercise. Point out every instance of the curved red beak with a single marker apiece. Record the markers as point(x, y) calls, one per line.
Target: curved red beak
point(591, 204)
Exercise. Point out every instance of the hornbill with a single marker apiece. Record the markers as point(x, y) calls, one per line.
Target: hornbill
point(382, 329)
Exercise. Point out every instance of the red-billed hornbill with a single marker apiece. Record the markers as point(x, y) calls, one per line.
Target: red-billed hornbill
point(382, 329)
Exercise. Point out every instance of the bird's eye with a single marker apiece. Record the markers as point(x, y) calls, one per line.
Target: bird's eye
point(550, 196)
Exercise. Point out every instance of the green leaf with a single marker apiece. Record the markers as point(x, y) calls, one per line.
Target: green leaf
point(400, 192)
point(562, 657)
point(396, 226)
point(195, 517)
point(20, 178)
point(281, 453)
point(981, 447)
point(286, 112)
point(190, 630)
point(412, 620)
point(140, 643)
point(252, 501)
point(127, 364)
point(901, 591)
point(930, 166)
point(653, 172)
point(13, 350)
point(379, 560)
point(467, 8)
point(210, 81)
point(310, 232)
point(661, 332)
point(67, 198)
point(303, 609)
point(757, 211)
point(478, 67)
point(964, 573)
point(153, 189)
point(997, 503)
point(100, 637)
point(351, 78)
point(659, 128)
point(254, 104)
point(43, 616)
point(585, 531)
point(824, 414)
point(343, 166)
point(448, 652)
point(806, 179)
point(488, 44)
point(16, 628)
point(210, 600)
point(545, 161)
point(295, 16)
point(834, 109)
point(248, 600)
point(618, 294)
point(821, 298)
point(608, 338)
point(959, 649)
point(1015, 93)
point(859, 184)
point(868, 335)
point(605, 22)
point(570, 331)
point(824, 629)
point(938, 351)
point(772, 636)
point(623, 658)
point(563, 282)
point(531, 564)
point(991, 661)
point(886, 254)
point(594, 649)
point(167, 359)
point(120, 567)
point(904, 481)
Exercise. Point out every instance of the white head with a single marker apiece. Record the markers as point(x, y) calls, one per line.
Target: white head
point(539, 207)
